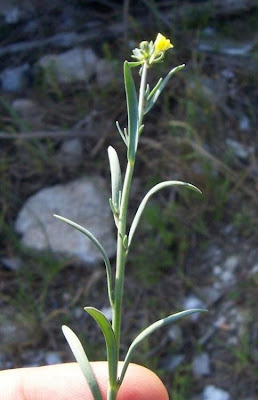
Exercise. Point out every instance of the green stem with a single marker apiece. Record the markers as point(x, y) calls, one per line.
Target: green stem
point(112, 393)
point(142, 93)
point(122, 249)
point(121, 254)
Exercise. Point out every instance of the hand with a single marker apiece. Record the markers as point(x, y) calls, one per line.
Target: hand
point(66, 382)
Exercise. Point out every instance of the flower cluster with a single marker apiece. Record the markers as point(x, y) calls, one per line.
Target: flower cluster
point(150, 52)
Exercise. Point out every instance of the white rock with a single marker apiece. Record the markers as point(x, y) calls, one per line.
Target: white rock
point(10, 11)
point(227, 73)
point(52, 357)
point(78, 312)
point(201, 365)
point(244, 123)
point(209, 31)
point(231, 263)
point(12, 263)
point(83, 201)
point(239, 149)
point(71, 66)
point(211, 392)
point(254, 270)
point(71, 151)
point(13, 78)
point(12, 15)
point(107, 311)
point(193, 301)
point(217, 270)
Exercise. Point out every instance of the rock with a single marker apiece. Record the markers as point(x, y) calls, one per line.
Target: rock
point(193, 301)
point(74, 65)
point(244, 123)
point(84, 201)
point(71, 152)
point(28, 111)
point(231, 263)
point(10, 11)
point(240, 150)
point(211, 392)
point(107, 311)
point(226, 47)
point(209, 31)
point(228, 74)
point(170, 363)
point(201, 365)
point(13, 264)
point(254, 270)
point(175, 334)
point(13, 79)
point(78, 312)
point(226, 273)
point(52, 357)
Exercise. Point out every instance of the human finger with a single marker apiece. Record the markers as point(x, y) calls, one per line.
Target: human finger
point(66, 382)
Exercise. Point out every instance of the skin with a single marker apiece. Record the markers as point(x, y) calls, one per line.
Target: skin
point(66, 382)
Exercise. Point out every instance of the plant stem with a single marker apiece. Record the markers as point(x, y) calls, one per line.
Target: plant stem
point(121, 254)
point(141, 94)
point(122, 248)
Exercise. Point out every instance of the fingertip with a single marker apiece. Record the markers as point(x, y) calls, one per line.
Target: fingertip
point(143, 384)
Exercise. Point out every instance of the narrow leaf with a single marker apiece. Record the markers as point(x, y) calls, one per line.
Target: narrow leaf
point(122, 134)
point(155, 189)
point(116, 181)
point(110, 339)
point(147, 91)
point(133, 64)
point(146, 332)
point(99, 247)
point(83, 361)
point(132, 111)
point(156, 87)
point(153, 96)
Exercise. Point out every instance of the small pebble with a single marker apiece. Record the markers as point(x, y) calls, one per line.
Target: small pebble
point(211, 392)
point(201, 365)
point(52, 358)
point(193, 301)
point(107, 311)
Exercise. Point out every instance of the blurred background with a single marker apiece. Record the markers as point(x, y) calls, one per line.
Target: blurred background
point(60, 95)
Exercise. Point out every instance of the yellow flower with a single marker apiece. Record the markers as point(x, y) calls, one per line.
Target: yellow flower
point(161, 44)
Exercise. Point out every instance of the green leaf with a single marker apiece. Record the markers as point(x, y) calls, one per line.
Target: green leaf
point(123, 135)
point(156, 91)
point(112, 356)
point(148, 331)
point(99, 247)
point(83, 361)
point(155, 189)
point(156, 87)
point(132, 111)
point(116, 181)
point(133, 64)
